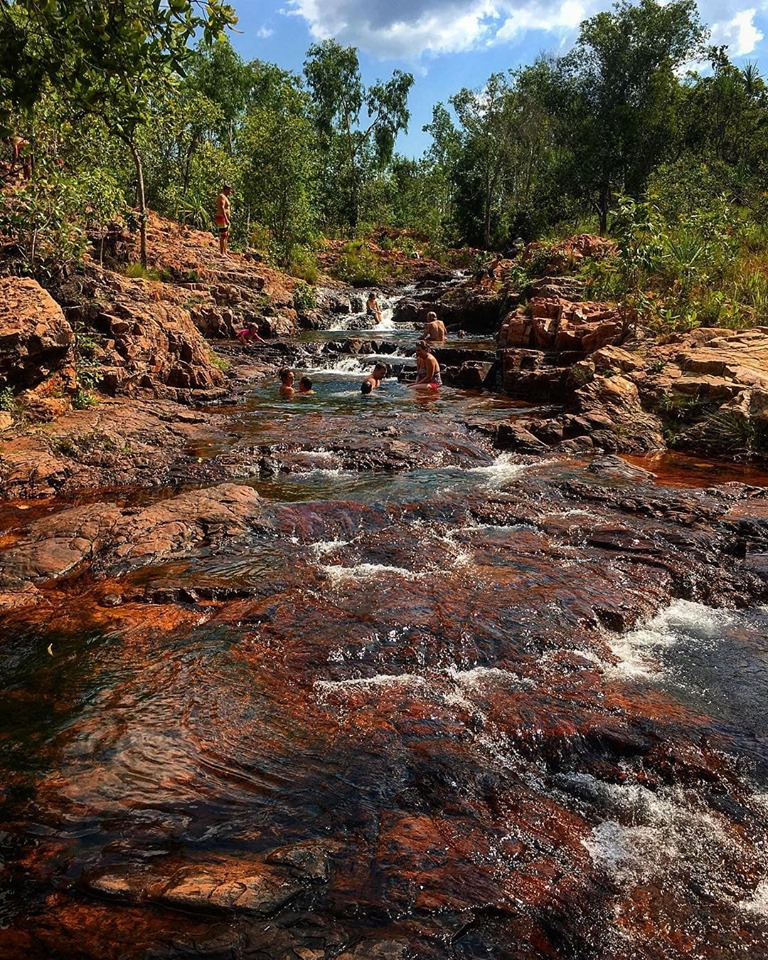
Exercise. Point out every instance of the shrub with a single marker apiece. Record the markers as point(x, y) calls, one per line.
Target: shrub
point(8, 401)
point(138, 272)
point(359, 266)
point(221, 363)
point(304, 297)
point(83, 399)
point(303, 264)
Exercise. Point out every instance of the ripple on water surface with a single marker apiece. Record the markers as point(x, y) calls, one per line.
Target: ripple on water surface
point(712, 660)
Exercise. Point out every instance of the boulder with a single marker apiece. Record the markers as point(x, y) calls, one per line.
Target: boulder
point(35, 338)
point(516, 436)
point(516, 331)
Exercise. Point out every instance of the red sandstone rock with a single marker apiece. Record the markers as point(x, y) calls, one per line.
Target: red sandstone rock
point(35, 339)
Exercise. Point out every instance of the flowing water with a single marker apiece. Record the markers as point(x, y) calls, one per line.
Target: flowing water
point(438, 702)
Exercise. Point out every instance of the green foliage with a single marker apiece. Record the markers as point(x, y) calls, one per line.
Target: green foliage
point(279, 164)
point(8, 401)
point(352, 147)
point(45, 216)
point(679, 273)
point(303, 264)
point(111, 61)
point(733, 431)
point(221, 363)
point(684, 409)
point(83, 399)
point(304, 296)
point(137, 271)
point(359, 266)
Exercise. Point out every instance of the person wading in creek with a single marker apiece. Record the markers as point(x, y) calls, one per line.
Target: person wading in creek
point(427, 367)
point(434, 331)
point(305, 386)
point(286, 383)
point(373, 382)
point(222, 218)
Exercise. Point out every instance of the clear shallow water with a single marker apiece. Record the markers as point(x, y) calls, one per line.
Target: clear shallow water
point(714, 661)
point(392, 705)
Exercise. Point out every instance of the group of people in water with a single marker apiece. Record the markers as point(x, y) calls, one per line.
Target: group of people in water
point(427, 366)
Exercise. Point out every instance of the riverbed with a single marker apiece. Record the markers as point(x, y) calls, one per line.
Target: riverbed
point(392, 693)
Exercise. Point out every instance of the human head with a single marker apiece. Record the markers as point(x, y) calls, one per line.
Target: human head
point(305, 383)
point(371, 295)
point(226, 189)
point(382, 370)
point(431, 316)
point(422, 347)
point(286, 375)
point(365, 387)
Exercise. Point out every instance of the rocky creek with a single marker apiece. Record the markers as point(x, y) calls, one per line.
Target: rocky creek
point(339, 677)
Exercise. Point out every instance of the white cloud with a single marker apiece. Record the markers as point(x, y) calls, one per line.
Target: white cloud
point(740, 34)
point(409, 28)
point(406, 29)
point(264, 33)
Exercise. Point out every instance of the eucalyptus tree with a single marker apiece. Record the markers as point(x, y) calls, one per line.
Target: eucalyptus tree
point(618, 94)
point(106, 58)
point(358, 124)
point(278, 154)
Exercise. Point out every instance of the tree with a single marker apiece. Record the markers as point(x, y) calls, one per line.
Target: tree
point(279, 159)
point(618, 92)
point(354, 149)
point(109, 58)
point(725, 119)
point(494, 154)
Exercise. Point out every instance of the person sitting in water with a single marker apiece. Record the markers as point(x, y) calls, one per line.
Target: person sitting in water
point(305, 385)
point(286, 383)
point(372, 308)
point(373, 382)
point(427, 367)
point(434, 331)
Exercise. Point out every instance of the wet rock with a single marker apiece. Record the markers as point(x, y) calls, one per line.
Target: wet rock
point(515, 436)
point(378, 950)
point(114, 535)
point(582, 444)
point(264, 893)
point(614, 468)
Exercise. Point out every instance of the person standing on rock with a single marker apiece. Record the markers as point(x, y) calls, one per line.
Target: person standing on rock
point(428, 369)
point(434, 331)
point(222, 218)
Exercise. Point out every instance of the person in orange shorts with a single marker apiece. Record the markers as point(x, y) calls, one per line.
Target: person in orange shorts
point(223, 217)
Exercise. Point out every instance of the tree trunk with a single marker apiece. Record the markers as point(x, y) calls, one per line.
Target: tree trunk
point(141, 198)
point(602, 209)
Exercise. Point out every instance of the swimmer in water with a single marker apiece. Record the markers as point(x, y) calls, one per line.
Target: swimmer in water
point(286, 383)
point(305, 386)
point(373, 382)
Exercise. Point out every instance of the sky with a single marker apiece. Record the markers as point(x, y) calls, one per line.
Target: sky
point(450, 44)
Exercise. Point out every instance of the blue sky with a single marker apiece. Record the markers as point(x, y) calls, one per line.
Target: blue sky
point(449, 44)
